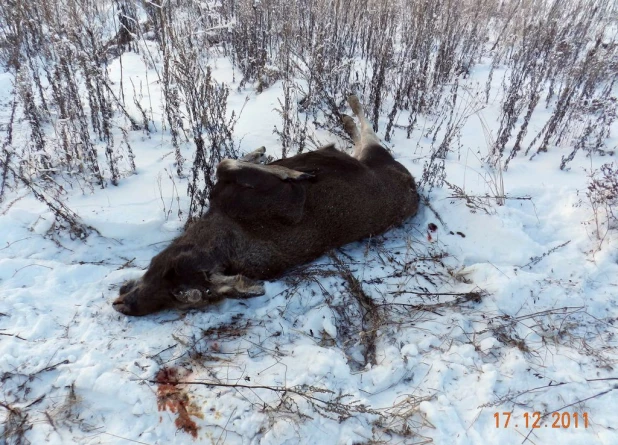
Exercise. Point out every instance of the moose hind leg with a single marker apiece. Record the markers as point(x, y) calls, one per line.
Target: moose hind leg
point(368, 137)
point(352, 130)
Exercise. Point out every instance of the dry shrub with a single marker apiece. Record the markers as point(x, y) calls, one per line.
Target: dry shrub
point(409, 60)
point(602, 195)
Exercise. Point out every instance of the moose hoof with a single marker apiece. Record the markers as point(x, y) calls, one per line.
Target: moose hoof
point(301, 176)
point(355, 104)
point(257, 290)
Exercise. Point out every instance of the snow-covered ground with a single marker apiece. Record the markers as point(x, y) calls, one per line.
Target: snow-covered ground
point(540, 337)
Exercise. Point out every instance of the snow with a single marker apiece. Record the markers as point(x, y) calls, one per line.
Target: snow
point(541, 338)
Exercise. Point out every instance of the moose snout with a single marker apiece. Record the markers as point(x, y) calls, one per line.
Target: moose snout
point(131, 305)
point(122, 305)
point(136, 298)
point(127, 302)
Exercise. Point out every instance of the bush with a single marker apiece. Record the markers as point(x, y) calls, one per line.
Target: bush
point(602, 194)
point(407, 58)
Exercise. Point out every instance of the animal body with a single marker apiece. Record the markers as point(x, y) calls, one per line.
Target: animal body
point(265, 219)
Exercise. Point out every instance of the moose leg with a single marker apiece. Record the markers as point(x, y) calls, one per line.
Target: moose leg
point(350, 127)
point(367, 136)
point(255, 157)
point(253, 175)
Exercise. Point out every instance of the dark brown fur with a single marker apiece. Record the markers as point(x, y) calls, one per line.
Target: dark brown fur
point(259, 225)
point(345, 201)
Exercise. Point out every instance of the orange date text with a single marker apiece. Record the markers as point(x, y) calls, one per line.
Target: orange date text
point(537, 420)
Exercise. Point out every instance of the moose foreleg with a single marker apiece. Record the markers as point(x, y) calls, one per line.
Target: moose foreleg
point(252, 175)
point(255, 157)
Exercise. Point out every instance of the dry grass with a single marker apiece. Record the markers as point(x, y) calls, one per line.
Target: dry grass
point(557, 54)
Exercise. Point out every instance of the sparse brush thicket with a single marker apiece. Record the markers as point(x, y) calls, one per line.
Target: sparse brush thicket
point(602, 197)
point(63, 99)
point(195, 105)
point(554, 62)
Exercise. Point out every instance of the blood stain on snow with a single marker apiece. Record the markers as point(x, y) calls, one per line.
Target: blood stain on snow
point(172, 397)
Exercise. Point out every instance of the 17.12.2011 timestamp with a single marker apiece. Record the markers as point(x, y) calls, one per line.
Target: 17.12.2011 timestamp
point(536, 420)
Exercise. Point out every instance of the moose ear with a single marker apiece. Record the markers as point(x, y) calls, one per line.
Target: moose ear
point(236, 286)
point(190, 296)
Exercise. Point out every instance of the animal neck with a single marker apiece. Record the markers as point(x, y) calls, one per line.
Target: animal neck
point(237, 249)
point(214, 235)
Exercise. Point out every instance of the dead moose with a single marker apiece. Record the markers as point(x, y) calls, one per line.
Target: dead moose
point(264, 219)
